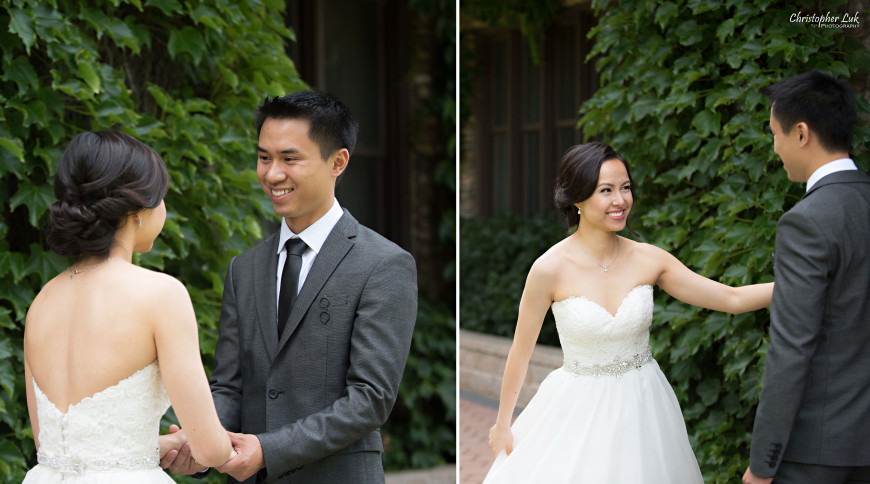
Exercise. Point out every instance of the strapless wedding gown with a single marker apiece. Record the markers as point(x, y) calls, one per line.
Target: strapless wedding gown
point(608, 415)
point(107, 438)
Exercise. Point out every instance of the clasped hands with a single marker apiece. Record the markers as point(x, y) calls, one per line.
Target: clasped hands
point(246, 461)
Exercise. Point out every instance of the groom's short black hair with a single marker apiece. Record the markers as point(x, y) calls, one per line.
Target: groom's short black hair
point(826, 104)
point(333, 127)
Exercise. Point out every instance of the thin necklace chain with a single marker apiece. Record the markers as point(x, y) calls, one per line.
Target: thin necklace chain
point(618, 245)
point(75, 272)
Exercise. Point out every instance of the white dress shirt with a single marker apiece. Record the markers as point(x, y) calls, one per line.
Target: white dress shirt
point(843, 164)
point(314, 237)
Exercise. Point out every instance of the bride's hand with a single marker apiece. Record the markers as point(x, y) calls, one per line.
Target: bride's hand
point(501, 438)
point(171, 442)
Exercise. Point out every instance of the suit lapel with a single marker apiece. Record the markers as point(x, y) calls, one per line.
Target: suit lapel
point(336, 247)
point(265, 277)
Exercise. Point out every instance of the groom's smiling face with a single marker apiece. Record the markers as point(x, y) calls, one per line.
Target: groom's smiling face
point(293, 173)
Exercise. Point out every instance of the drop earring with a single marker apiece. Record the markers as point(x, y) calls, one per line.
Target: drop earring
point(579, 212)
point(140, 221)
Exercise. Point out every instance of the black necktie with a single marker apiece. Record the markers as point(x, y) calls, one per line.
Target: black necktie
point(289, 280)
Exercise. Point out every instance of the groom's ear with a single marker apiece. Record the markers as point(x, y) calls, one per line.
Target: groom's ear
point(803, 132)
point(339, 161)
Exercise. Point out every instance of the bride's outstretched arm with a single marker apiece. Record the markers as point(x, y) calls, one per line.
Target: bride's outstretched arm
point(680, 282)
point(177, 341)
point(536, 298)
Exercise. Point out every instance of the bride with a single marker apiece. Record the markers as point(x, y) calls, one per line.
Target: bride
point(608, 414)
point(105, 337)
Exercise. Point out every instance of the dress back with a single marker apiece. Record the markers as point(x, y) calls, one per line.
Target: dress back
point(115, 429)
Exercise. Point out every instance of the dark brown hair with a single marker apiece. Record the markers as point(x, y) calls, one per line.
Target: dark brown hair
point(101, 178)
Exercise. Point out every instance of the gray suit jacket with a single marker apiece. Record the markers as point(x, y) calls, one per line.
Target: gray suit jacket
point(815, 406)
point(322, 389)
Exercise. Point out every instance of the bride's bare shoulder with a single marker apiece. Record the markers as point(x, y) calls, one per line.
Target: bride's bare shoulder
point(551, 262)
point(155, 289)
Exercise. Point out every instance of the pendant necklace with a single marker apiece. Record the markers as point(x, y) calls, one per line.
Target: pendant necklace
point(618, 245)
point(75, 272)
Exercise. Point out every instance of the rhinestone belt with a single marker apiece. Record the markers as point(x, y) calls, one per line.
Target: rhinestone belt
point(77, 465)
point(617, 368)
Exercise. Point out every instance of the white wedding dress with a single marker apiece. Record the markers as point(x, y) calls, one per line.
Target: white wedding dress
point(608, 415)
point(107, 438)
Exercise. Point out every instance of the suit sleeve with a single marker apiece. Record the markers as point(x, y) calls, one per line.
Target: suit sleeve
point(803, 258)
point(379, 346)
point(226, 377)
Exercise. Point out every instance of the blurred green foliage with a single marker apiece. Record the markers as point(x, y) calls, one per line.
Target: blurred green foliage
point(496, 255)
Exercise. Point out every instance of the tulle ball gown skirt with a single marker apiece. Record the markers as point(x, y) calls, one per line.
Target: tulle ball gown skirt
point(625, 429)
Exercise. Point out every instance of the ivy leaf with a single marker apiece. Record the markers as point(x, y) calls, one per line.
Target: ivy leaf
point(97, 19)
point(706, 122)
point(752, 48)
point(229, 76)
point(777, 43)
point(10, 262)
point(839, 69)
point(187, 40)
point(708, 390)
point(664, 13)
point(22, 24)
point(45, 264)
point(725, 30)
point(21, 72)
point(644, 107)
point(7, 381)
point(206, 16)
point(6, 320)
point(689, 33)
point(14, 146)
point(168, 7)
point(87, 73)
point(122, 34)
point(37, 199)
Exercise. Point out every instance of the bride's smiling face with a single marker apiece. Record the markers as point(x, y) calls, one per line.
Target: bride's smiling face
point(611, 202)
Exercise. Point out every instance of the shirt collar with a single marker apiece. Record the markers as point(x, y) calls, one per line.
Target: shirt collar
point(315, 235)
point(843, 164)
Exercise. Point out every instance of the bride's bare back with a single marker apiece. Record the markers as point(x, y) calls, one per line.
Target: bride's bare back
point(87, 333)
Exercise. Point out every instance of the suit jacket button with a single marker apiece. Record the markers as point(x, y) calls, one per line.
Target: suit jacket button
point(273, 393)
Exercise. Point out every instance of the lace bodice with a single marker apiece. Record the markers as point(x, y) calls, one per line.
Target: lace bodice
point(590, 335)
point(115, 429)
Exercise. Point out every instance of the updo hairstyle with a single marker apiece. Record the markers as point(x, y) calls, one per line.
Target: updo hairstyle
point(578, 177)
point(102, 177)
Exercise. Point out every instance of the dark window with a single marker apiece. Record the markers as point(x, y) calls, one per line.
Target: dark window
point(526, 113)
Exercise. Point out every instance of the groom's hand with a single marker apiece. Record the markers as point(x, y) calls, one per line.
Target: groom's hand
point(750, 478)
point(178, 460)
point(249, 457)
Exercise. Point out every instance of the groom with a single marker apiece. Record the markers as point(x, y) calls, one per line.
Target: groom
point(316, 320)
point(813, 420)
